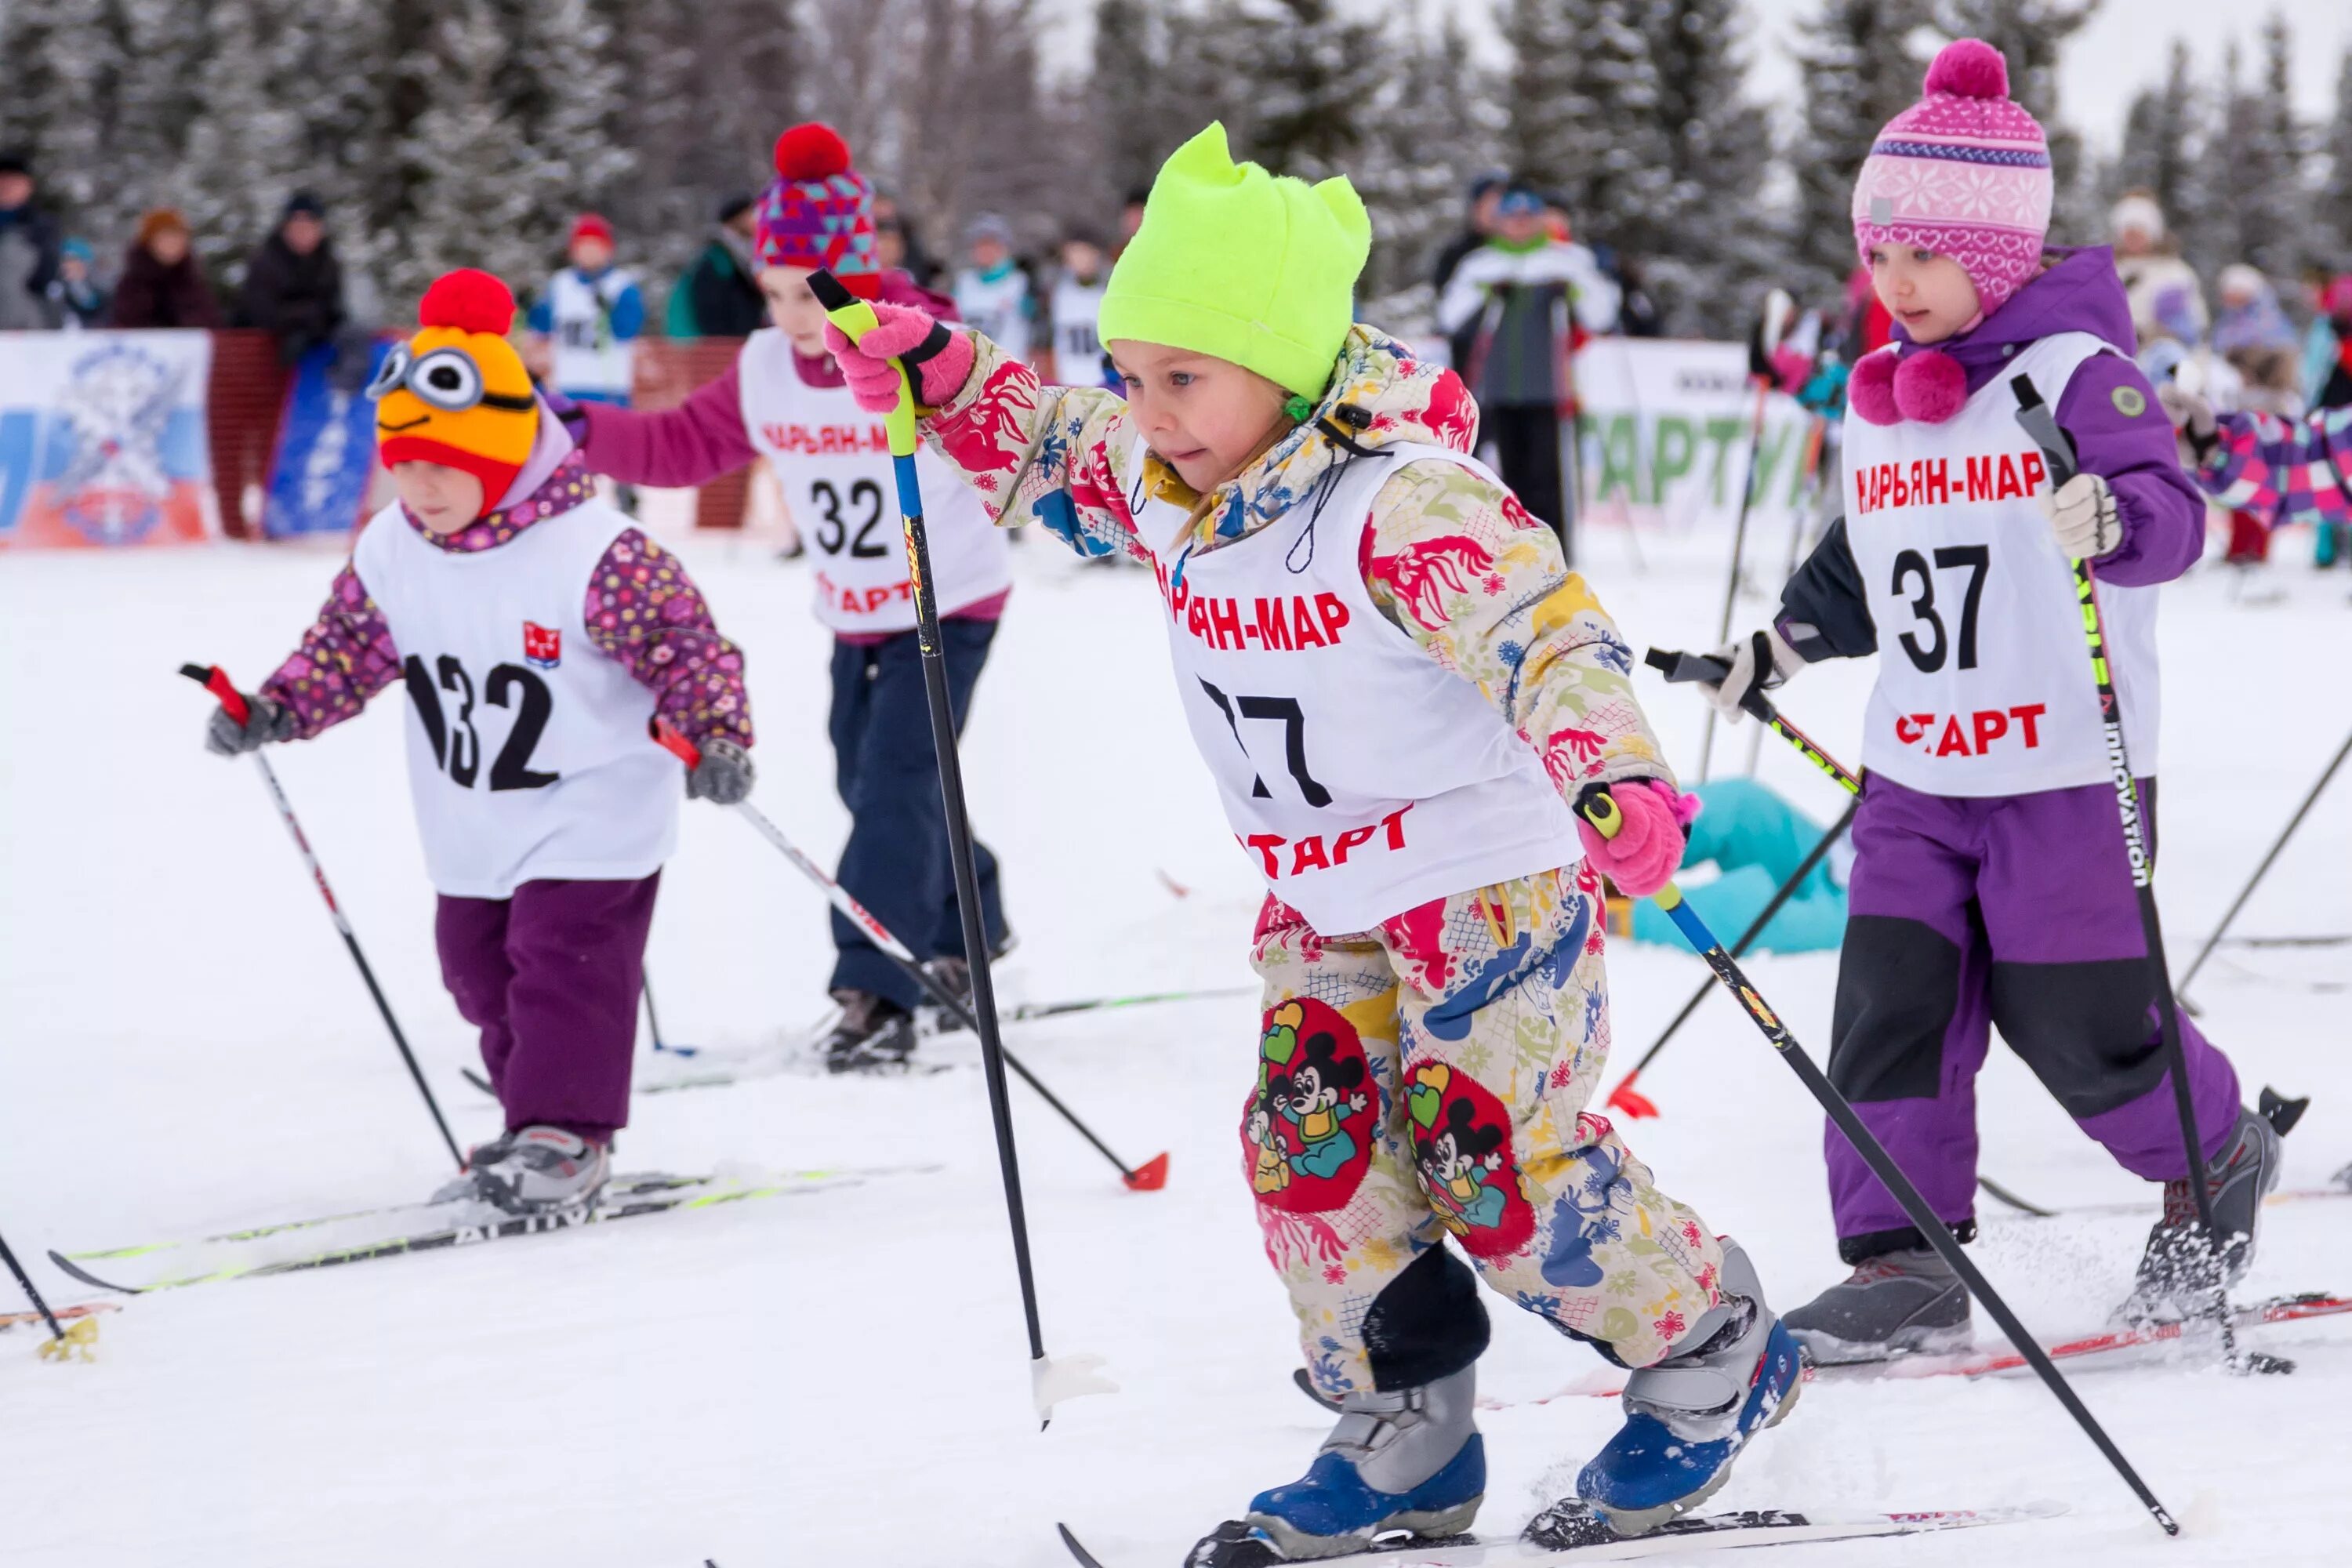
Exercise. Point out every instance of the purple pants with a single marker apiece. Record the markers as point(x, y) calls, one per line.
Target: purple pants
point(2016, 911)
point(552, 977)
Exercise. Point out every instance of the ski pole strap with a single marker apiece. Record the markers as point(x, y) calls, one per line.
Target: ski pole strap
point(855, 317)
point(215, 679)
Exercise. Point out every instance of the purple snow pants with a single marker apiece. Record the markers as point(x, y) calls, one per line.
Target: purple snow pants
point(2016, 911)
point(552, 976)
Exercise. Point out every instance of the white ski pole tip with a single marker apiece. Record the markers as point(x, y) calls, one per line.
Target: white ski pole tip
point(1053, 1379)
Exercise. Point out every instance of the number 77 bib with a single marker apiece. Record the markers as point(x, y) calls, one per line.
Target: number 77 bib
point(1984, 679)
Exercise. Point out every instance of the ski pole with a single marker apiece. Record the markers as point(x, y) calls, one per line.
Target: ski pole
point(1601, 812)
point(1684, 667)
point(1147, 1177)
point(2263, 871)
point(215, 679)
point(24, 1281)
point(1809, 490)
point(653, 1024)
point(1632, 1101)
point(2035, 418)
point(1778, 307)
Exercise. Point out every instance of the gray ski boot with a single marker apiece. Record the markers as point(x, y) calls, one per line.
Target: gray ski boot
point(1408, 1460)
point(2177, 1268)
point(1903, 1302)
point(537, 1168)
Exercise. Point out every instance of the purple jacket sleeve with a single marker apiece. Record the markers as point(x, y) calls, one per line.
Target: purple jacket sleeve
point(2283, 471)
point(2122, 435)
point(692, 444)
point(645, 611)
point(346, 657)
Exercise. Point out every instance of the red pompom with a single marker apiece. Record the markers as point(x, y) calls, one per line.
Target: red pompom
point(469, 299)
point(1968, 68)
point(812, 151)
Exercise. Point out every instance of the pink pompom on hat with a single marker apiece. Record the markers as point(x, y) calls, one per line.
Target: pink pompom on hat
point(1964, 171)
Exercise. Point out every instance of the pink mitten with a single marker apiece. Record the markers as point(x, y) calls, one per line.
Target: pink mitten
point(1648, 847)
point(901, 331)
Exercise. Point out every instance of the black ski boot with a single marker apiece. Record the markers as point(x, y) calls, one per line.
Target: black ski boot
point(954, 971)
point(875, 1035)
point(2177, 1268)
point(1906, 1302)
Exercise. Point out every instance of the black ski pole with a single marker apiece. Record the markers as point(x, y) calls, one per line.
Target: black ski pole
point(1680, 669)
point(2263, 871)
point(653, 1024)
point(1147, 1177)
point(2035, 418)
point(1601, 812)
point(24, 1281)
point(1630, 1102)
point(215, 679)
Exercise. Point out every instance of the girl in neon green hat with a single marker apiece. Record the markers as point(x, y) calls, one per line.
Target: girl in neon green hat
point(1401, 692)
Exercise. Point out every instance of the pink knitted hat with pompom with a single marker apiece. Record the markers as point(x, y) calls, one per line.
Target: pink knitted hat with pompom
point(1964, 171)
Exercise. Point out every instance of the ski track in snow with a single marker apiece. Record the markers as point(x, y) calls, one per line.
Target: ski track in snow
point(842, 1379)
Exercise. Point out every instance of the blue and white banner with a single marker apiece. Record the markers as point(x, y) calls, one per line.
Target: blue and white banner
point(326, 450)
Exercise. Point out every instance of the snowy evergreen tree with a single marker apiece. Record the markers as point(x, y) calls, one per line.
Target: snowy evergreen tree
point(1140, 109)
point(2162, 133)
point(560, 91)
point(1584, 102)
point(1859, 73)
point(1707, 249)
point(1307, 80)
point(2335, 205)
point(472, 197)
point(1435, 130)
point(249, 146)
point(2251, 172)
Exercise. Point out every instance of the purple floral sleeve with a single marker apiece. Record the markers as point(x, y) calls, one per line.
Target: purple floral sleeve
point(346, 657)
point(645, 611)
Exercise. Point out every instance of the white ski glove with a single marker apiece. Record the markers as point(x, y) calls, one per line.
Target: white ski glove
point(2192, 416)
point(1767, 651)
point(2081, 512)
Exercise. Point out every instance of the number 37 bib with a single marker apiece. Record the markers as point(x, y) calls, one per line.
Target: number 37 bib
point(1360, 778)
point(1985, 685)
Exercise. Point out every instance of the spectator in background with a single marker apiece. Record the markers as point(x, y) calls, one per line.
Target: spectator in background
point(293, 283)
point(2253, 333)
point(162, 286)
point(28, 250)
point(1637, 313)
point(593, 313)
point(1478, 225)
point(992, 293)
point(1512, 314)
point(1075, 306)
point(2166, 298)
point(75, 298)
point(718, 296)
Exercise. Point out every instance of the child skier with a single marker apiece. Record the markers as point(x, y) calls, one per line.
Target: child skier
point(785, 400)
point(1400, 690)
point(1989, 885)
point(537, 632)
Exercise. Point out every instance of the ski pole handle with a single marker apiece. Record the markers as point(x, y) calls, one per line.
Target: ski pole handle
point(215, 679)
point(855, 317)
point(2034, 417)
point(1600, 808)
point(1699, 668)
point(671, 739)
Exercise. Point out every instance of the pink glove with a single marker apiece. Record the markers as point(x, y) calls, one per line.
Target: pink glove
point(938, 359)
point(1648, 847)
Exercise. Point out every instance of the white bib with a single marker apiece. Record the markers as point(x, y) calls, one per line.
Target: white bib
point(1359, 777)
point(996, 308)
point(1985, 685)
point(528, 757)
point(1077, 349)
point(835, 464)
point(588, 357)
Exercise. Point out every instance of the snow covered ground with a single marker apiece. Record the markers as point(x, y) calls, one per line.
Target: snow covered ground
point(840, 1378)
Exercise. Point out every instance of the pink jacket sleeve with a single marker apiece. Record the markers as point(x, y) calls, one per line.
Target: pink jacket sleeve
point(346, 657)
point(677, 448)
point(645, 611)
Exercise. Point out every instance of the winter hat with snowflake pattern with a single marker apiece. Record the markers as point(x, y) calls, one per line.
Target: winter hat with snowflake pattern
point(1963, 171)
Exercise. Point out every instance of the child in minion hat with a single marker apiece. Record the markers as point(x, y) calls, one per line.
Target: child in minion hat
point(1400, 692)
point(536, 631)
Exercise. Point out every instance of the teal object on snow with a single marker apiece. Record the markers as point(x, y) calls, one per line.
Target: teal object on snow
point(1758, 840)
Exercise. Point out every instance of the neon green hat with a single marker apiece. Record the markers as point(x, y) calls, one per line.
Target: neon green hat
point(1249, 266)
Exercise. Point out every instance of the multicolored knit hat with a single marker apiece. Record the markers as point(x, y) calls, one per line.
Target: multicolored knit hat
point(1964, 171)
point(820, 211)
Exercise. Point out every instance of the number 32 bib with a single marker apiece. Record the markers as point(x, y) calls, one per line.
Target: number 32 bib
point(1984, 679)
point(528, 757)
point(835, 464)
point(1360, 778)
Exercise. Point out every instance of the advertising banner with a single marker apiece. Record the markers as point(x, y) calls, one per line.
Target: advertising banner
point(102, 438)
point(325, 461)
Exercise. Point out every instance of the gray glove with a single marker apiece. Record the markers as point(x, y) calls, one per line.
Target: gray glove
point(2192, 416)
point(1745, 658)
point(264, 722)
point(724, 774)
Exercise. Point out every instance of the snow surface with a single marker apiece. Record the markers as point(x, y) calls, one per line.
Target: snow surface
point(841, 1378)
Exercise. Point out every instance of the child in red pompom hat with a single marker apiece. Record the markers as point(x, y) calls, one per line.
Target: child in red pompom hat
point(535, 631)
point(785, 401)
point(589, 318)
point(1990, 884)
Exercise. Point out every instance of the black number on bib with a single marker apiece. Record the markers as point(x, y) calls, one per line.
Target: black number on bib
point(834, 532)
point(1911, 565)
point(457, 747)
point(1294, 738)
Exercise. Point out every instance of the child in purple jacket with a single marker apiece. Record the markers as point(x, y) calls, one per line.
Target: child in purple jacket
point(537, 632)
point(1989, 884)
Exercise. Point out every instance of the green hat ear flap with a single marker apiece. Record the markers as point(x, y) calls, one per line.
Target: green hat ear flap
point(1206, 158)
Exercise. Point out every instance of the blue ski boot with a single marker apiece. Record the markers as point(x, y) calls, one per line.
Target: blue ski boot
point(1408, 1462)
point(1686, 1418)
